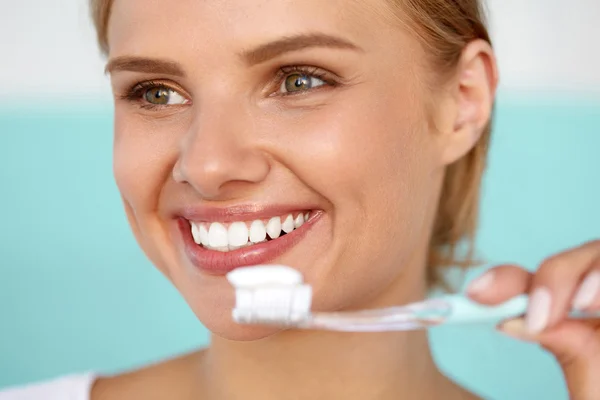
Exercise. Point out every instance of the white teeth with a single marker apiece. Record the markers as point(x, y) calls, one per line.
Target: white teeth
point(217, 235)
point(237, 234)
point(203, 235)
point(274, 227)
point(299, 221)
point(258, 232)
point(239, 247)
point(227, 237)
point(196, 233)
point(288, 225)
point(199, 233)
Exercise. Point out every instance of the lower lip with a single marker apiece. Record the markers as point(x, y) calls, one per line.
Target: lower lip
point(220, 263)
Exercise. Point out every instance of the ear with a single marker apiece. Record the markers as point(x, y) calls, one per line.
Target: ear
point(472, 98)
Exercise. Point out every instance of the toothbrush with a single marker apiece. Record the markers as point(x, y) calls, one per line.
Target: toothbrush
point(276, 295)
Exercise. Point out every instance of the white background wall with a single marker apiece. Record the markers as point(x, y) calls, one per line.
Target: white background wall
point(48, 47)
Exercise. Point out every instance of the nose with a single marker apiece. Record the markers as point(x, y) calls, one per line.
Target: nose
point(219, 155)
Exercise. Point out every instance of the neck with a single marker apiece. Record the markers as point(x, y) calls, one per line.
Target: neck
point(325, 365)
point(317, 364)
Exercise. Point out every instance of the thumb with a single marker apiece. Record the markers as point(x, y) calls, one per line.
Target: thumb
point(576, 347)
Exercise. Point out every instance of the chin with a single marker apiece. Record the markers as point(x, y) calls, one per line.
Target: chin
point(229, 330)
point(213, 308)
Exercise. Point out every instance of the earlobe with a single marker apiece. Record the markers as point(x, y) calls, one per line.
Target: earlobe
point(475, 88)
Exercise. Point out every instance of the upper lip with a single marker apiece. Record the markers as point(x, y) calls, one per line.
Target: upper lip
point(243, 212)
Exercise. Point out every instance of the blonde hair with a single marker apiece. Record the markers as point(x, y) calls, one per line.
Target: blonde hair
point(444, 28)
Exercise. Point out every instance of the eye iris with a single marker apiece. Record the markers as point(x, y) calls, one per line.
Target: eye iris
point(297, 82)
point(158, 95)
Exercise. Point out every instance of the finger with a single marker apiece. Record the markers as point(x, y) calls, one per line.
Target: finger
point(499, 284)
point(575, 345)
point(587, 297)
point(555, 283)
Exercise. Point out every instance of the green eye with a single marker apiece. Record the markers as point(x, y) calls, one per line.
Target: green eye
point(161, 95)
point(300, 82)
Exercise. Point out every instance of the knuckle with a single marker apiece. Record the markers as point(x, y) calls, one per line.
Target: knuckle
point(555, 267)
point(506, 269)
point(594, 244)
point(552, 264)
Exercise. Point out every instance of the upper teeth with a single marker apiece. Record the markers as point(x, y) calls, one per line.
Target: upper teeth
point(232, 236)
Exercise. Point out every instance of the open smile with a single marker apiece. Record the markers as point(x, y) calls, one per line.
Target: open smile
point(219, 246)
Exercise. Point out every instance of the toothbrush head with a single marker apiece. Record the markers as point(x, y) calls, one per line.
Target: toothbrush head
point(270, 294)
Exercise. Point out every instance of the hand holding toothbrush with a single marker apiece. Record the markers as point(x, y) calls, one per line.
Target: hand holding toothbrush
point(567, 280)
point(561, 304)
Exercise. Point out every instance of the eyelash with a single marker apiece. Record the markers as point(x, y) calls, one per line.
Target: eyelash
point(315, 72)
point(136, 92)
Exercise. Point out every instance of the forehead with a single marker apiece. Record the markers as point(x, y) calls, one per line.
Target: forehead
point(152, 26)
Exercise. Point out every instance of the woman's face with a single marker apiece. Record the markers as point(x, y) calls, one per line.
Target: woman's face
point(245, 111)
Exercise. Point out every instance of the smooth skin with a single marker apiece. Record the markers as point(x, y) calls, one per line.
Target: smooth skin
point(366, 143)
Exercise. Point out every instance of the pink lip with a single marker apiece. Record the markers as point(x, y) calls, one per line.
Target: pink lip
point(238, 213)
point(220, 263)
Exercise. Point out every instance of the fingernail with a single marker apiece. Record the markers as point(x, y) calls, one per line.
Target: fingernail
point(538, 312)
point(482, 283)
point(587, 292)
point(517, 329)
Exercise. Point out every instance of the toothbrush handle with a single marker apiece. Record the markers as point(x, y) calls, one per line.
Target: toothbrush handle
point(453, 309)
point(466, 311)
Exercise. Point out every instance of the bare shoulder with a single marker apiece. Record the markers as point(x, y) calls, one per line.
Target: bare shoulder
point(176, 378)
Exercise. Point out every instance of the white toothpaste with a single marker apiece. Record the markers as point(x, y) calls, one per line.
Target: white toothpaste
point(269, 293)
point(260, 275)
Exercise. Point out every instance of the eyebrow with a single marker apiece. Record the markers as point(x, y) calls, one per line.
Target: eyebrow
point(271, 50)
point(146, 65)
point(255, 56)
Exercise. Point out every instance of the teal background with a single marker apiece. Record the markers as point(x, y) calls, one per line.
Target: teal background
point(77, 294)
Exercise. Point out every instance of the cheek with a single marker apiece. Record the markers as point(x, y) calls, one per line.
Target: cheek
point(143, 157)
point(142, 162)
point(364, 152)
point(374, 160)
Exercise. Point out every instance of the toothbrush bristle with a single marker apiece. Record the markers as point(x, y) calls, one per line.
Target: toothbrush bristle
point(277, 304)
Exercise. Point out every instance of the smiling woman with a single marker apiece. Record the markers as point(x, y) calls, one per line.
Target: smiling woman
point(344, 138)
point(445, 38)
point(318, 135)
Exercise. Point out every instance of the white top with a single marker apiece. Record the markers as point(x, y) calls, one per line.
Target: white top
point(71, 387)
